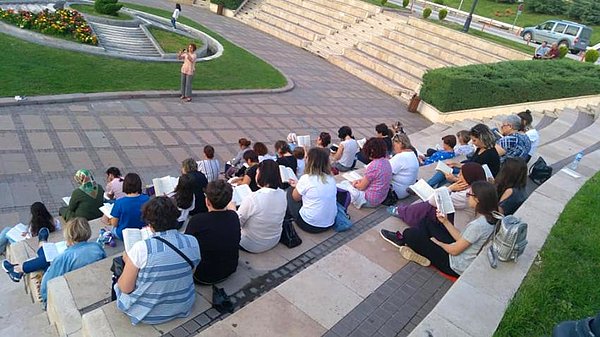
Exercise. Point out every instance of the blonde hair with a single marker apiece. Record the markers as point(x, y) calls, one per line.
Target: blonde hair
point(77, 230)
point(317, 163)
point(402, 139)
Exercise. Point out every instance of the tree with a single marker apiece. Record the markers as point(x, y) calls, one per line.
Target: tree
point(547, 6)
point(108, 7)
point(585, 11)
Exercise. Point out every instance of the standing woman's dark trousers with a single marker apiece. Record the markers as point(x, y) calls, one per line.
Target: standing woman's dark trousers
point(186, 85)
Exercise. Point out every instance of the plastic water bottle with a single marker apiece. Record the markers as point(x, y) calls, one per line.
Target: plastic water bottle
point(576, 161)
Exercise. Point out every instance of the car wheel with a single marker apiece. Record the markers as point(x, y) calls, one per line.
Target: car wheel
point(563, 43)
point(528, 36)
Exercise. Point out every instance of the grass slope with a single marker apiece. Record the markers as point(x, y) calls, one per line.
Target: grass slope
point(171, 42)
point(61, 71)
point(565, 285)
point(89, 9)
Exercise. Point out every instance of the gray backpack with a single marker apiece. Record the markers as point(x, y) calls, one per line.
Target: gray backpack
point(509, 240)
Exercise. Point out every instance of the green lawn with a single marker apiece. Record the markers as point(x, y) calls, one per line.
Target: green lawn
point(171, 42)
point(64, 71)
point(487, 36)
point(387, 4)
point(89, 9)
point(488, 8)
point(564, 285)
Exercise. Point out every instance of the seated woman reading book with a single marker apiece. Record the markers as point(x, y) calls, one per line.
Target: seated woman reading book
point(40, 218)
point(127, 211)
point(86, 200)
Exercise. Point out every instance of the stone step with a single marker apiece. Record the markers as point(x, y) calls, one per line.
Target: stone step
point(371, 77)
point(279, 33)
point(560, 126)
point(415, 69)
point(308, 13)
point(288, 26)
point(411, 53)
point(432, 50)
point(453, 46)
point(475, 42)
point(35, 325)
point(325, 10)
point(389, 71)
point(299, 20)
point(344, 8)
point(373, 9)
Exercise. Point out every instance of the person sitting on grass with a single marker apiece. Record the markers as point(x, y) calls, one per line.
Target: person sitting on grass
point(249, 177)
point(463, 148)
point(372, 189)
point(510, 183)
point(261, 214)
point(218, 234)
point(40, 218)
point(553, 53)
point(446, 152)
point(451, 251)
point(209, 166)
point(127, 211)
point(86, 200)
point(345, 156)
point(156, 285)
point(114, 184)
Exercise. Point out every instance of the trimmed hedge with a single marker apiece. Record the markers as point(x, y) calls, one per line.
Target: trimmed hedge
point(511, 82)
point(229, 4)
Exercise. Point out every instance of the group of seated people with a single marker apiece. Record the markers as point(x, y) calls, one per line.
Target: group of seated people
point(543, 52)
point(200, 231)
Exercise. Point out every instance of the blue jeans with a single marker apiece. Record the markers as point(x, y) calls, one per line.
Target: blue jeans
point(37, 264)
point(439, 179)
point(173, 23)
point(343, 168)
point(4, 241)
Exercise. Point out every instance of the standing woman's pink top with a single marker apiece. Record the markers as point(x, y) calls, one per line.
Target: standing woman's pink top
point(189, 63)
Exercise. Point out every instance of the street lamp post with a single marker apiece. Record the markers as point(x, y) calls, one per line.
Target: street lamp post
point(470, 17)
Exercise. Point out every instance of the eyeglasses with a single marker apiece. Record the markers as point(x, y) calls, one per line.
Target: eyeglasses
point(470, 194)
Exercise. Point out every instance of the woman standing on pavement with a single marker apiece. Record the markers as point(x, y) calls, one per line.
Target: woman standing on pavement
point(187, 71)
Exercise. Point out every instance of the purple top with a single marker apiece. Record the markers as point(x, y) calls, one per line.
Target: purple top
point(379, 174)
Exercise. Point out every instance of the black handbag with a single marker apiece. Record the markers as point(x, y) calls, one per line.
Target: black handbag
point(117, 269)
point(391, 199)
point(289, 237)
point(540, 171)
point(221, 301)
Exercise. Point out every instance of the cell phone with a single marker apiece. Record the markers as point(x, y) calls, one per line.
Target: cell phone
point(183, 50)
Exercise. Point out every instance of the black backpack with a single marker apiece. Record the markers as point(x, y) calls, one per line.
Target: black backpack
point(540, 171)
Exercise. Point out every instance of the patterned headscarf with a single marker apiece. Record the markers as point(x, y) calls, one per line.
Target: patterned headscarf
point(86, 182)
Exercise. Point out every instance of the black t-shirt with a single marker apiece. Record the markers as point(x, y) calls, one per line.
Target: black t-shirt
point(489, 157)
point(251, 172)
point(200, 183)
point(288, 161)
point(388, 144)
point(218, 234)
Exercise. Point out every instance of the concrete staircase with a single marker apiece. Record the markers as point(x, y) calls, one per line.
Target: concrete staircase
point(124, 40)
point(389, 50)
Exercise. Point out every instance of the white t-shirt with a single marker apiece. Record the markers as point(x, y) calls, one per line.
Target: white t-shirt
point(349, 154)
point(175, 14)
point(318, 200)
point(261, 215)
point(138, 254)
point(405, 170)
point(534, 138)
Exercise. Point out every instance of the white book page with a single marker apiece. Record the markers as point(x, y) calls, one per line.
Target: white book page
point(441, 166)
point(286, 174)
point(106, 209)
point(240, 193)
point(133, 235)
point(443, 201)
point(352, 176)
point(487, 171)
point(52, 250)
point(165, 185)
point(16, 233)
point(304, 141)
point(66, 200)
point(422, 189)
point(361, 142)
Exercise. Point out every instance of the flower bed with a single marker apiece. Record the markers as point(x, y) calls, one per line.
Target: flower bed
point(64, 22)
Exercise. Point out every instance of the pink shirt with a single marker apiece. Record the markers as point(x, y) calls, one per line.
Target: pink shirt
point(115, 186)
point(189, 63)
point(379, 174)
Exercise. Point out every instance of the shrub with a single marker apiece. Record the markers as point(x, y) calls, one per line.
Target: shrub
point(108, 7)
point(442, 14)
point(426, 13)
point(562, 52)
point(439, 2)
point(584, 11)
point(405, 3)
point(229, 4)
point(383, 2)
point(485, 85)
point(591, 56)
point(547, 6)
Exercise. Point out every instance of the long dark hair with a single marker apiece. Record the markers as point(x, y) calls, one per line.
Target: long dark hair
point(184, 192)
point(513, 174)
point(487, 199)
point(40, 218)
point(268, 174)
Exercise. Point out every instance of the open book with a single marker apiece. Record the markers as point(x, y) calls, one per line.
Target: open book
point(352, 176)
point(52, 250)
point(165, 185)
point(443, 167)
point(422, 189)
point(361, 142)
point(303, 141)
point(16, 233)
point(286, 174)
point(487, 171)
point(106, 209)
point(443, 201)
point(333, 148)
point(67, 200)
point(240, 192)
point(133, 235)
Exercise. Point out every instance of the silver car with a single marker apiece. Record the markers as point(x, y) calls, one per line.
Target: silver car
point(572, 35)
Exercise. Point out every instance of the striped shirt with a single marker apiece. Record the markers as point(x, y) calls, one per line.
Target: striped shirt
point(210, 168)
point(164, 288)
